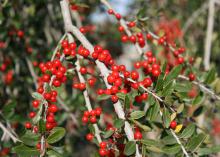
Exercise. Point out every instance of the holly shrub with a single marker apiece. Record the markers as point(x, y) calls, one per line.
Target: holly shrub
point(126, 86)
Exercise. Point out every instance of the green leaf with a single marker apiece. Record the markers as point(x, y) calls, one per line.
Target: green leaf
point(30, 138)
point(168, 89)
point(56, 134)
point(8, 110)
point(137, 114)
point(127, 102)
point(130, 148)
point(42, 126)
point(208, 151)
point(168, 140)
point(24, 151)
point(210, 77)
point(195, 142)
point(38, 115)
point(166, 117)
point(141, 126)
point(155, 149)
point(198, 99)
point(103, 97)
point(173, 74)
point(118, 123)
point(121, 96)
point(171, 150)
point(52, 153)
point(150, 142)
point(153, 111)
point(108, 133)
point(37, 96)
point(188, 131)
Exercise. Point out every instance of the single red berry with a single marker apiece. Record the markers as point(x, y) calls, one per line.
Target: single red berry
point(137, 135)
point(173, 124)
point(93, 119)
point(114, 98)
point(110, 11)
point(134, 75)
point(28, 125)
point(32, 114)
point(85, 119)
point(102, 152)
point(192, 77)
point(103, 145)
point(35, 103)
point(83, 70)
point(89, 136)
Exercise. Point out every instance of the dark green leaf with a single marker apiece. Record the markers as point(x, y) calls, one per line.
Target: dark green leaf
point(52, 153)
point(37, 96)
point(30, 138)
point(130, 148)
point(150, 142)
point(103, 97)
point(171, 150)
point(42, 126)
point(137, 114)
point(56, 134)
point(198, 111)
point(24, 151)
point(195, 142)
point(166, 117)
point(153, 111)
point(108, 133)
point(208, 151)
point(168, 140)
point(121, 96)
point(210, 76)
point(168, 89)
point(173, 74)
point(118, 123)
point(188, 131)
point(127, 102)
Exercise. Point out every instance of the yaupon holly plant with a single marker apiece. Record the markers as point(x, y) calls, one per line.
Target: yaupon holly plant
point(152, 109)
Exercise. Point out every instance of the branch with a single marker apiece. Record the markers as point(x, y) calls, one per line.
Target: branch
point(208, 42)
point(123, 24)
point(6, 131)
point(194, 16)
point(31, 69)
point(103, 69)
point(202, 87)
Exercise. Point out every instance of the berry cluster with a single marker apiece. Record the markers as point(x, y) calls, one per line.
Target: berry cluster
point(91, 116)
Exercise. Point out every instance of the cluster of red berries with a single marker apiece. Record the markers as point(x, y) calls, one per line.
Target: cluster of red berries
point(91, 116)
point(88, 28)
point(53, 68)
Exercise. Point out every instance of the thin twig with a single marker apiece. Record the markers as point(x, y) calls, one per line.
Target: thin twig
point(31, 69)
point(202, 87)
point(123, 24)
point(8, 132)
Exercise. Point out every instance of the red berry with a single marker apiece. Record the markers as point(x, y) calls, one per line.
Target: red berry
point(35, 103)
point(103, 145)
point(32, 114)
point(83, 70)
point(110, 11)
point(28, 125)
point(173, 124)
point(85, 119)
point(137, 135)
point(102, 152)
point(134, 75)
point(93, 119)
point(114, 98)
point(192, 77)
point(89, 137)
